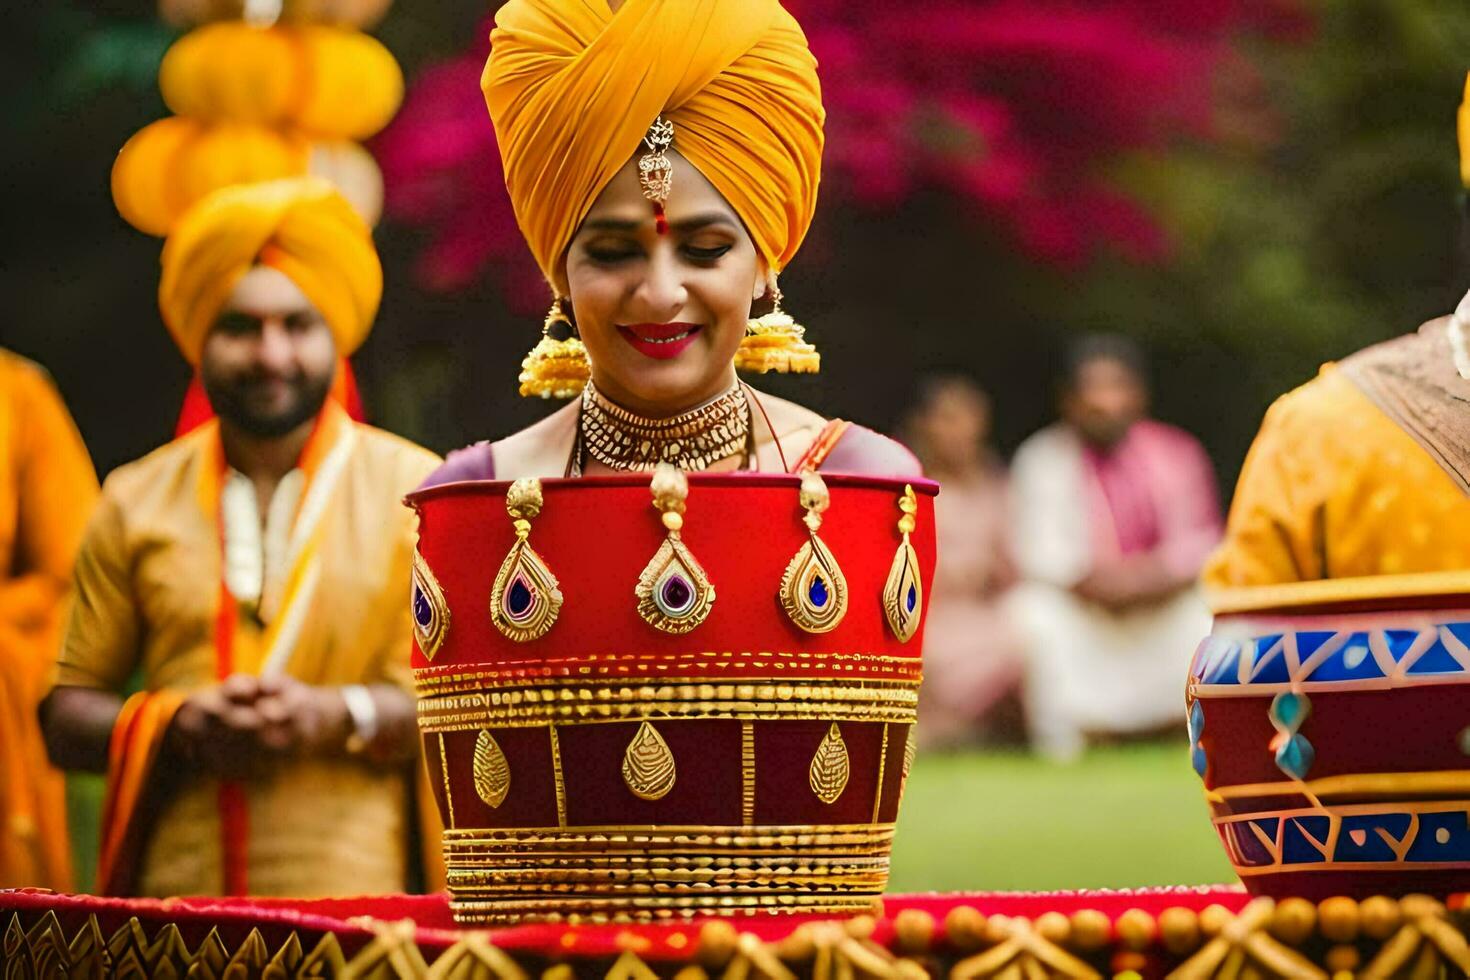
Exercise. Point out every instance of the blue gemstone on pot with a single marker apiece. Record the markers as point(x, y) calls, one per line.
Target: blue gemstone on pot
point(423, 611)
point(677, 592)
point(817, 591)
point(911, 600)
point(1289, 710)
point(1295, 757)
point(519, 598)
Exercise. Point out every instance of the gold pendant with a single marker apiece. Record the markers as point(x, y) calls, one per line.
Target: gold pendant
point(648, 764)
point(491, 770)
point(813, 588)
point(903, 592)
point(830, 768)
point(430, 610)
point(525, 599)
point(674, 593)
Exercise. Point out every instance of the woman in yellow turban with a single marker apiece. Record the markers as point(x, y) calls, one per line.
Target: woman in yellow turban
point(662, 158)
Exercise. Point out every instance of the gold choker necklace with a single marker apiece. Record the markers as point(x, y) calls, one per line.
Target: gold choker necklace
point(620, 440)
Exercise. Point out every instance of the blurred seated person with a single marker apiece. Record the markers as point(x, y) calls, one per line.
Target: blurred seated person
point(253, 575)
point(1113, 515)
point(47, 491)
point(1365, 469)
point(972, 655)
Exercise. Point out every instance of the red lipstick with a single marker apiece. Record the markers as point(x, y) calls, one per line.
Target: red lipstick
point(660, 341)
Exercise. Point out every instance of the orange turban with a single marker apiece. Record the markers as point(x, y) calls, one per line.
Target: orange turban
point(572, 88)
point(300, 226)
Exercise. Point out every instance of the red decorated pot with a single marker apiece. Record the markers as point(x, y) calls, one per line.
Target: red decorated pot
point(1331, 727)
point(640, 706)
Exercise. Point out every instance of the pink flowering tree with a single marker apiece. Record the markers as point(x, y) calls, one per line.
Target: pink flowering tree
point(1017, 108)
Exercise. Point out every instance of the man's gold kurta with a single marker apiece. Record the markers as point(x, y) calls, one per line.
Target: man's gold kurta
point(47, 490)
point(1333, 488)
point(148, 591)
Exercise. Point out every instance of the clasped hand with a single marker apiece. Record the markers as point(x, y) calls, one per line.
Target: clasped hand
point(247, 724)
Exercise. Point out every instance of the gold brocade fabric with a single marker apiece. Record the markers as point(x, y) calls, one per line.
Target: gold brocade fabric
point(1332, 489)
point(47, 491)
point(147, 585)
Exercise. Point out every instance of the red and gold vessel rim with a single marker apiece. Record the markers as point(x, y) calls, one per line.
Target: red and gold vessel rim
point(752, 480)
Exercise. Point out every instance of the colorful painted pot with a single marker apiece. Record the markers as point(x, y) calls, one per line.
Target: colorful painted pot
point(1331, 728)
point(634, 713)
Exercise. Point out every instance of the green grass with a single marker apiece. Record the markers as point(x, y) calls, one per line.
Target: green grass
point(1120, 818)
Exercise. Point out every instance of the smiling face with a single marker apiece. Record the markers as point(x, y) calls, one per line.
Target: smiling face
point(662, 315)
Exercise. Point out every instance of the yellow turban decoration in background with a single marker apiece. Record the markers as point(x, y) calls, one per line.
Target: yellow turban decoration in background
point(301, 226)
point(572, 88)
point(1464, 128)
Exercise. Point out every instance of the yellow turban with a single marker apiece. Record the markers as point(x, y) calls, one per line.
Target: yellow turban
point(572, 88)
point(1464, 128)
point(300, 226)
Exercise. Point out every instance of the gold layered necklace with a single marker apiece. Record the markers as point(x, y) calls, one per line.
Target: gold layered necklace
point(693, 440)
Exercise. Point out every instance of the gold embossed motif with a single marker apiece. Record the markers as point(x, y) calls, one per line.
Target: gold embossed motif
point(830, 767)
point(813, 588)
point(429, 609)
point(492, 771)
point(903, 592)
point(674, 593)
point(648, 764)
point(525, 599)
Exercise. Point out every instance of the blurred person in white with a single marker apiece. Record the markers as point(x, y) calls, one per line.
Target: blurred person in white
point(972, 655)
point(1113, 515)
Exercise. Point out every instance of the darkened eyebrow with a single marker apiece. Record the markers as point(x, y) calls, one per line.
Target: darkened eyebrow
point(690, 223)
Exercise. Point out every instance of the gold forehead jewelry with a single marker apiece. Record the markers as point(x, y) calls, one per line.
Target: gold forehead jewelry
point(655, 172)
point(620, 440)
point(525, 599)
point(813, 589)
point(674, 594)
point(903, 592)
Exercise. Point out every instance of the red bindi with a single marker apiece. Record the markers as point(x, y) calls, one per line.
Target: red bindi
point(660, 221)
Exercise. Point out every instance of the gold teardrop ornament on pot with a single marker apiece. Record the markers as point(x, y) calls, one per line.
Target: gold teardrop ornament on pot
point(830, 766)
point(526, 597)
point(648, 764)
point(492, 771)
point(903, 592)
point(813, 588)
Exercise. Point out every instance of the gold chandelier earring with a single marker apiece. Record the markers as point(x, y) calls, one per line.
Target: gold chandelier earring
point(557, 366)
point(776, 342)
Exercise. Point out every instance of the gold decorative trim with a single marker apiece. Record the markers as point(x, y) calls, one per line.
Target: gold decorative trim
point(747, 774)
point(830, 768)
point(491, 770)
point(648, 764)
point(558, 778)
point(882, 766)
point(662, 668)
point(448, 793)
point(606, 837)
point(530, 707)
point(1302, 596)
point(1383, 785)
point(640, 908)
point(430, 623)
point(525, 598)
